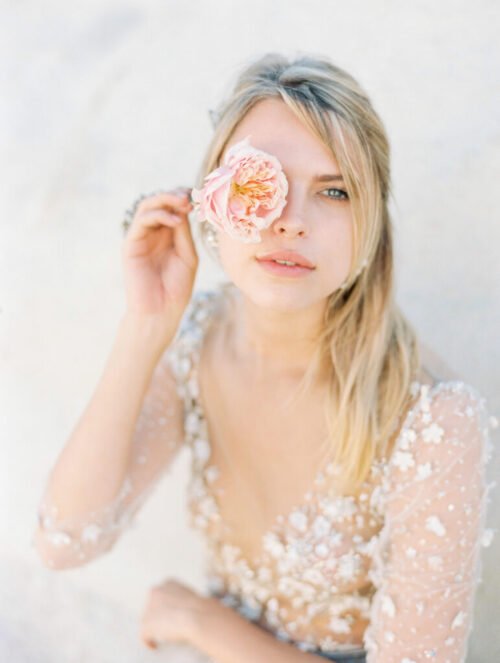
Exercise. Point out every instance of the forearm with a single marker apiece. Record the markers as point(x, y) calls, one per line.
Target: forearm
point(227, 637)
point(93, 464)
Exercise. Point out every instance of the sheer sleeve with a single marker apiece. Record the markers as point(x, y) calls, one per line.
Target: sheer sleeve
point(427, 563)
point(158, 436)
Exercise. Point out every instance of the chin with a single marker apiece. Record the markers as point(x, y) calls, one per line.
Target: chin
point(279, 296)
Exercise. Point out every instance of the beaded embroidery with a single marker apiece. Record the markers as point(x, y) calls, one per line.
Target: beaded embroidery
point(320, 565)
point(394, 571)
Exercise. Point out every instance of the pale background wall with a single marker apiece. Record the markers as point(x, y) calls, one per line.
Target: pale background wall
point(109, 99)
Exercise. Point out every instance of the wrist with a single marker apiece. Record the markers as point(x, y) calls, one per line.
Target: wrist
point(147, 332)
point(208, 611)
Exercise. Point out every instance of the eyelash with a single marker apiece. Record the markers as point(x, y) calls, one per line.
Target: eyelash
point(344, 197)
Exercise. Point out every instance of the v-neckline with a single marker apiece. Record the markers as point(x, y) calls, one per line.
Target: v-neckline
point(279, 521)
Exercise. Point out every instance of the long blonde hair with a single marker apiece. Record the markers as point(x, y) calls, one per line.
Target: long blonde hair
point(366, 340)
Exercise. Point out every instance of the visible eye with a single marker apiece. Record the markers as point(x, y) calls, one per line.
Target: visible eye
point(343, 194)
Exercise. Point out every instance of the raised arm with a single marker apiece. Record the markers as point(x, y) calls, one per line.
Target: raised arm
point(133, 424)
point(427, 564)
point(123, 443)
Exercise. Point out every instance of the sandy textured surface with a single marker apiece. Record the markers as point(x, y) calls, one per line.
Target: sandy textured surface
point(46, 618)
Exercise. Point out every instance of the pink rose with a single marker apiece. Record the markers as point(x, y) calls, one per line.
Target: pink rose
point(244, 195)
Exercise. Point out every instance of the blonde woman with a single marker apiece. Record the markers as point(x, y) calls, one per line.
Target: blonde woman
point(338, 481)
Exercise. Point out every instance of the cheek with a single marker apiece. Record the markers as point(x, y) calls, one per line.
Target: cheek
point(337, 232)
point(232, 253)
point(335, 243)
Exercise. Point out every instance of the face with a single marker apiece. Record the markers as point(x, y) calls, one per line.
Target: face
point(316, 220)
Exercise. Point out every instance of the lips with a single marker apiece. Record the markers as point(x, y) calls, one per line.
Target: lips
point(291, 256)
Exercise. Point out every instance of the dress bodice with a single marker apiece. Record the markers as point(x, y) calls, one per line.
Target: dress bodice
point(319, 566)
point(393, 569)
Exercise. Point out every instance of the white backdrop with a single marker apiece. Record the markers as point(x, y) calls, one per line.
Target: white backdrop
point(108, 99)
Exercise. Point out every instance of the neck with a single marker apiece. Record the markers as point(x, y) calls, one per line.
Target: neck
point(275, 342)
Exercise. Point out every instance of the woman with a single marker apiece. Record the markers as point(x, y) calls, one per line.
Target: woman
point(340, 485)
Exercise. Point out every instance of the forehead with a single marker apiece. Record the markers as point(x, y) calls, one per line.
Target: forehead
point(274, 128)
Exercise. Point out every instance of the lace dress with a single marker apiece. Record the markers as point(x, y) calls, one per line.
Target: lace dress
point(393, 571)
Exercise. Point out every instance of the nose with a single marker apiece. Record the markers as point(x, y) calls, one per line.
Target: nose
point(291, 222)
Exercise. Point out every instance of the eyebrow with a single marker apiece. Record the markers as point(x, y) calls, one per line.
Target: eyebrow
point(327, 178)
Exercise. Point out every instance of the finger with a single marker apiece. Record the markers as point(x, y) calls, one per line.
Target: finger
point(183, 239)
point(146, 636)
point(176, 201)
point(142, 224)
point(159, 217)
point(149, 641)
point(184, 243)
point(179, 223)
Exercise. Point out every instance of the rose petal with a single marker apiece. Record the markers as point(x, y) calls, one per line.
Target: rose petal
point(244, 195)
